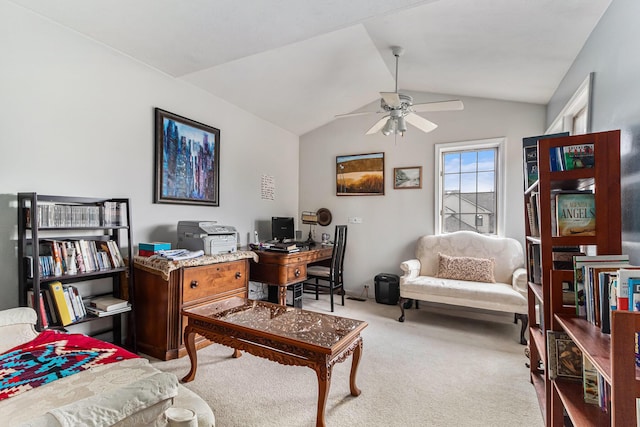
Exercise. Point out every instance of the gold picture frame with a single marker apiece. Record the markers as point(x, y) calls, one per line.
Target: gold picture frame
point(360, 175)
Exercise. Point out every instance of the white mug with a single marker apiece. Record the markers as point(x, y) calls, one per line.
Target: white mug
point(181, 417)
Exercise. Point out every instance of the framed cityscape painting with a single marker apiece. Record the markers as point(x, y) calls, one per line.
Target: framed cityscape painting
point(360, 175)
point(187, 160)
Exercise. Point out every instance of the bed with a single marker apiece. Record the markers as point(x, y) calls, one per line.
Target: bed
point(54, 379)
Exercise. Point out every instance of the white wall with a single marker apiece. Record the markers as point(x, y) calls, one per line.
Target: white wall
point(77, 120)
point(610, 53)
point(392, 223)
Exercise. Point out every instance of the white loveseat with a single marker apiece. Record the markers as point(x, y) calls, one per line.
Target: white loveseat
point(447, 269)
point(129, 392)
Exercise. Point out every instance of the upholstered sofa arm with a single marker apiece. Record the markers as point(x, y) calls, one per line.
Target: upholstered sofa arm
point(16, 327)
point(411, 269)
point(519, 281)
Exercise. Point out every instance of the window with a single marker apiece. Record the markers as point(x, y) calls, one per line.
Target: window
point(468, 186)
point(575, 116)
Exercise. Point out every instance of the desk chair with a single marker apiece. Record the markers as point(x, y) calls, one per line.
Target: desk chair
point(330, 278)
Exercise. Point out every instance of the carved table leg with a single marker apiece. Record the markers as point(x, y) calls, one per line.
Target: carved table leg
point(323, 371)
point(236, 353)
point(190, 344)
point(355, 391)
point(282, 295)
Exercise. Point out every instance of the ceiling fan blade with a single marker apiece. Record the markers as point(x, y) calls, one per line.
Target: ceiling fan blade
point(420, 122)
point(361, 113)
point(392, 99)
point(378, 125)
point(438, 106)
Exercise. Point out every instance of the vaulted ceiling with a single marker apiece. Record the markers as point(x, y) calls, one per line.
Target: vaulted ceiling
point(298, 63)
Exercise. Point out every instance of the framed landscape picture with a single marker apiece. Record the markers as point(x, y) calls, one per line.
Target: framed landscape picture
point(187, 161)
point(409, 177)
point(360, 175)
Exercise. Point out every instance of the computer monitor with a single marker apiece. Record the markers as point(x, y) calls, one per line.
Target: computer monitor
point(282, 228)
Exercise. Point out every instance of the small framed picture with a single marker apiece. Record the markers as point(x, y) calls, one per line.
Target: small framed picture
point(409, 177)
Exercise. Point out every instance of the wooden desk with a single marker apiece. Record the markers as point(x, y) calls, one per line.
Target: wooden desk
point(290, 336)
point(284, 269)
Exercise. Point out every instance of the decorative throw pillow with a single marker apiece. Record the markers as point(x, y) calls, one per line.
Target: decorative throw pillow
point(466, 268)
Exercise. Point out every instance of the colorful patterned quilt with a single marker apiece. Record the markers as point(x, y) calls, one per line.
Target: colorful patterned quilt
point(53, 355)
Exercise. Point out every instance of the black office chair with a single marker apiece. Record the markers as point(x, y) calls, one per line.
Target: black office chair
point(331, 277)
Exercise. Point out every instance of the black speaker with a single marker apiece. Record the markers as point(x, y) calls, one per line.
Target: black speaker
point(387, 288)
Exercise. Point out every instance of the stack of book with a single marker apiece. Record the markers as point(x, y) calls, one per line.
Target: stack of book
point(152, 248)
point(281, 247)
point(107, 306)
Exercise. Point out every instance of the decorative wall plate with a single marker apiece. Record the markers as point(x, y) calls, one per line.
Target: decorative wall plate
point(324, 216)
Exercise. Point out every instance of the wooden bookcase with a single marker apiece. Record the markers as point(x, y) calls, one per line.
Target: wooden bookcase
point(610, 354)
point(66, 221)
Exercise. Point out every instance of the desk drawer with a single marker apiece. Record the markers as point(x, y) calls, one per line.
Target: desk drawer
point(295, 273)
point(216, 280)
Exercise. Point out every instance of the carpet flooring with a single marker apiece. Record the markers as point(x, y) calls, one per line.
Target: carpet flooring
point(434, 369)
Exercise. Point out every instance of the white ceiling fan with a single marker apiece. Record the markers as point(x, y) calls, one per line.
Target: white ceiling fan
point(400, 109)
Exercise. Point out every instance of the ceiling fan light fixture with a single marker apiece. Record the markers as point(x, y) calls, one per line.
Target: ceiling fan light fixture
point(389, 127)
point(402, 125)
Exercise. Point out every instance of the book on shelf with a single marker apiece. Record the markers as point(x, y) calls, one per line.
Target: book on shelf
point(578, 156)
point(590, 382)
point(562, 256)
point(32, 304)
point(530, 164)
point(563, 356)
point(107, 303)
point(51, 308)
point(596, 296)
point(59, 215)
point(58, 296)
point(622, 285)
point(535, 265)
point(580, 275)
point(575, 214)
point(634, 294)
point(103, 313)
point(115, 250)
point(530, 156)
point(637, 348)
point(606, 282)
point(556, 159)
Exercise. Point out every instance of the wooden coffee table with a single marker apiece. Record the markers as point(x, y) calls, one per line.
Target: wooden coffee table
point(287, 335)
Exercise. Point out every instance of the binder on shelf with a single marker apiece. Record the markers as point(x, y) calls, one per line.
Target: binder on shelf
point(58, 295)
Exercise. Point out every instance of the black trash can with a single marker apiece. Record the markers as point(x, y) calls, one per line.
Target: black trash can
point(387, 288)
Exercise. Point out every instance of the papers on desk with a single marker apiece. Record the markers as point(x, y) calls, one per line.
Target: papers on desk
point(179, 254)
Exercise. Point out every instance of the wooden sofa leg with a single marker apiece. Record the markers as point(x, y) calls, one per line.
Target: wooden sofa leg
point(401, 303)
point(525, 322)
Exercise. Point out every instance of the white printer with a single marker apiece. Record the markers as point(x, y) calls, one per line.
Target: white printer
point(213, 239)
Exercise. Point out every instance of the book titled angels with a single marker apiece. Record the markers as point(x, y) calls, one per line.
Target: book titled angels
point(576, 214)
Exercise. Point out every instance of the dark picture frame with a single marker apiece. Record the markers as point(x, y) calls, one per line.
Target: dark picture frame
point(187, 159)
point(407, 178)
point(360, 175)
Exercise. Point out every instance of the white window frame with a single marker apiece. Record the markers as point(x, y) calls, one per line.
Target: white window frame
point(443, 148)
point(581, 100)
